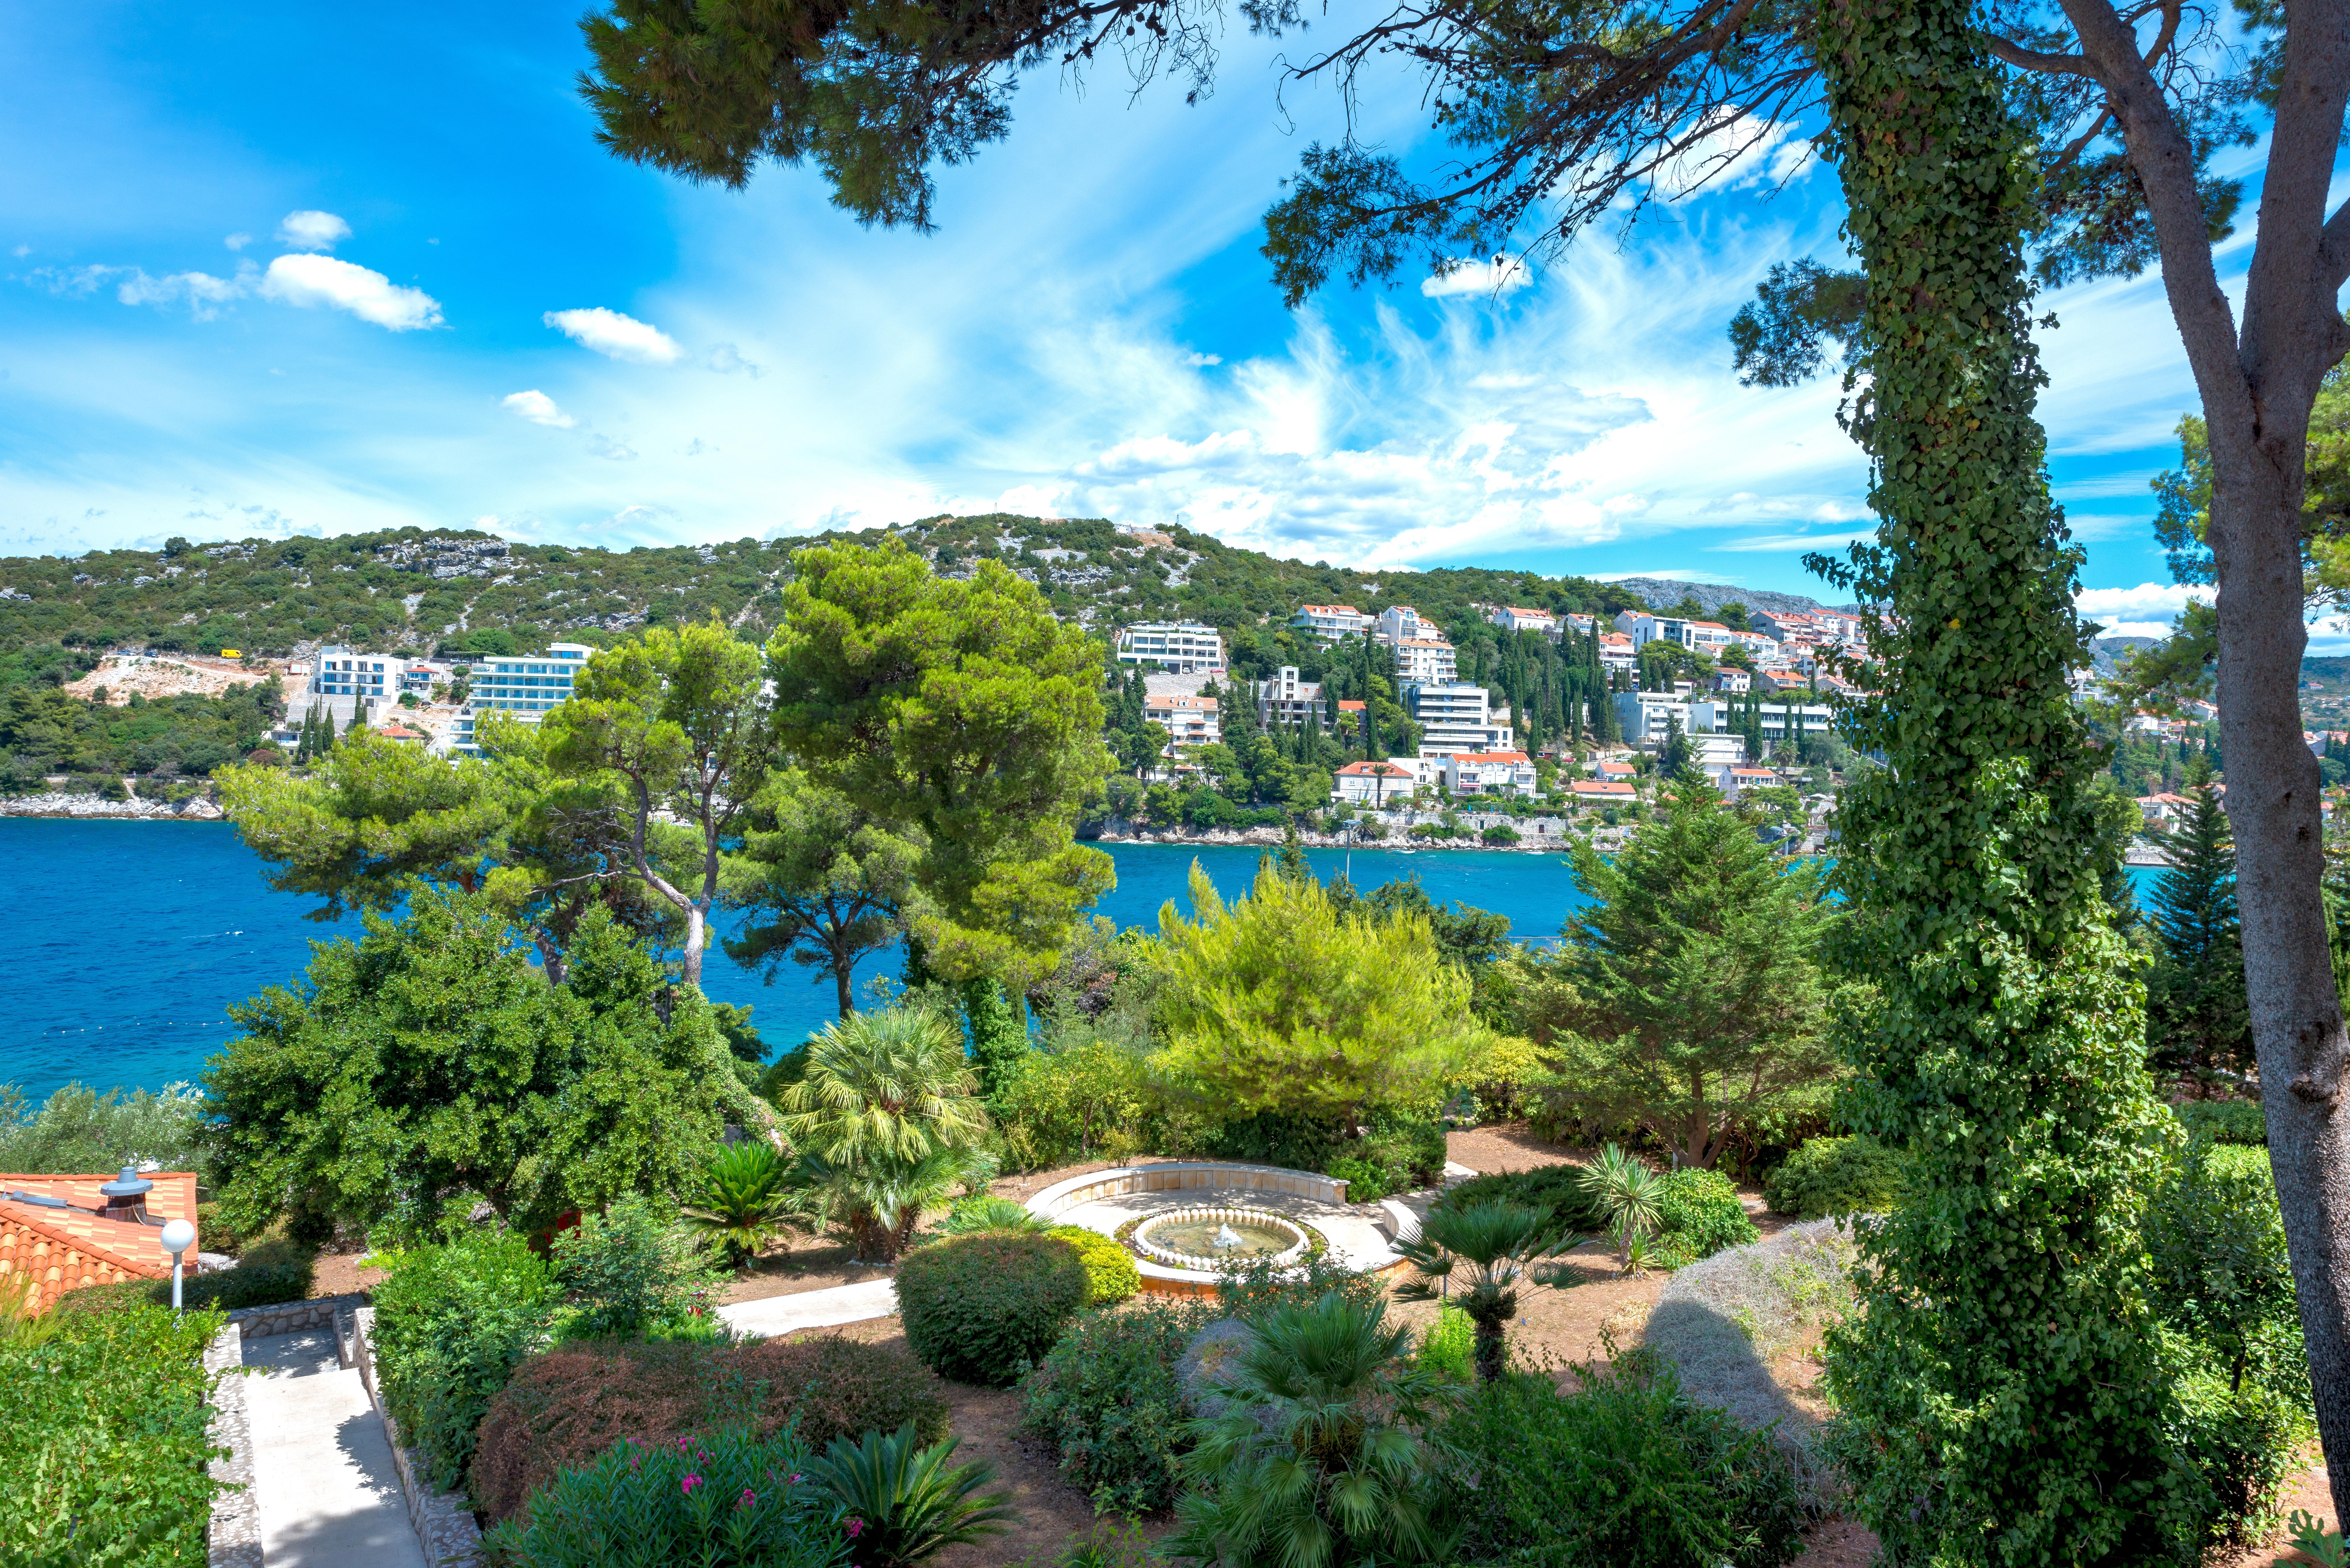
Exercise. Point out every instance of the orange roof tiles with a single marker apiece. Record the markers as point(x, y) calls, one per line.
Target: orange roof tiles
point(63, 1250)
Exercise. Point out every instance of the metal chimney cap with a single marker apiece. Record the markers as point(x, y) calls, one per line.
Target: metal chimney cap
point(130, 1184)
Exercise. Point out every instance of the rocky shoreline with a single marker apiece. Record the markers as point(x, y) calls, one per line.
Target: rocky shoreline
point(58, 804)
point(1539, 835)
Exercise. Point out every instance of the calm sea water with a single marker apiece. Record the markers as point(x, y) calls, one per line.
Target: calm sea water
point(129, 941)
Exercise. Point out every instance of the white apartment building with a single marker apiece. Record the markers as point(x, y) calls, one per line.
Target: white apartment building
point(338, 671)
point(1576, 625)
point(1706, 637)
point(1489, 772)
point(1285, 700)
point(1330, 620)
point(1397, 622)
point(1761, 648)
point(1646, 716)
point(1644, 628)
point(1616, 652)
point(1807, 717)
point(1457, 716)
point(1373, 784)
point(1181, 648)
point(523, 687)
point(1515, 617)
point(1730, 678)
point(1191, 721)
point(1425, 661)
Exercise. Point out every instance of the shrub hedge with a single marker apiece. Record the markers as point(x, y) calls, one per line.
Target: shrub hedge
point(1699, 1214)
point(563, 1408)
point(103, 1439)
point(451, 1323)
point(1626, 1471)
point(2225, 1121)
point(1828, 1176)
point(1109, 1398)
point(984, 1309)
point(1110, 1274)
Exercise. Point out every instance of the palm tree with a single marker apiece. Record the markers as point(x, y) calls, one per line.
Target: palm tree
point(1626, 1191)
point(745, 1199)
point(1321, 1455)
point(903, 1502)
point(1475, 1257)
point(888, 1118)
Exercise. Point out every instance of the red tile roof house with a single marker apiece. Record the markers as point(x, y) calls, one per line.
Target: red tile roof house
point(63, 1233)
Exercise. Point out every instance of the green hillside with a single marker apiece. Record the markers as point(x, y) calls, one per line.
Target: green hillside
point(463, 590)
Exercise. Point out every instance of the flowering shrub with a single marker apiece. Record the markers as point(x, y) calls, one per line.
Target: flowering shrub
point(726, 1499)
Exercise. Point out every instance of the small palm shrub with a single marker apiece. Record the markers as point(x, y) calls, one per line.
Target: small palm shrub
point(745, 1199)
point(986, 1212)
point(1626, 1471)
point(1828, 1176)
point(985, 1308)
point(1557, 1190)
point(1110, 1398)
point(452, 1323)
point(1699, 1214)
point(1627, 1193)
point(564, 1408)
point(1476, 1259)
point(1317, 1452)
point(1110, 1273)
point(729, 1498)
point(902, 1503)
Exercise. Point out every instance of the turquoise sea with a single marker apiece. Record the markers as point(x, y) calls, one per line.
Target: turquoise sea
point(127, 941)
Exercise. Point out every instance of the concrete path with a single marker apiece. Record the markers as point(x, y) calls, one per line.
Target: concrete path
point(322, 1470)
point(827, 1308)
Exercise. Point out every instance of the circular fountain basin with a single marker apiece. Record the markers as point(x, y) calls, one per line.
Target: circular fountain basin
point(1214, 1239)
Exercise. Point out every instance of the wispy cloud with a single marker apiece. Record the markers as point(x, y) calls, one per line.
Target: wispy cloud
point(1502, 276)
point(310, 280)
point(616, 335)
point(311, 229)
point(2146, 600)
point(538, 409)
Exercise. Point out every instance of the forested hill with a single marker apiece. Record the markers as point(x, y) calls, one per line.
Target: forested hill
point(463, 590)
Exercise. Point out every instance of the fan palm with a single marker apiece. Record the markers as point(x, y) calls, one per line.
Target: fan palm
point(1627, 1192)
point(1320, 1457)
point(745, 1199)
point(893, 1082)
point(1475, 1257)
point(903, 1502)
point(880, 1199)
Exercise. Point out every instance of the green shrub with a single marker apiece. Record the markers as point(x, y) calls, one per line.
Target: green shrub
point(630, 1267)
point(2244, 1442)
point(1555, 1189)
point(563, 1408)
point(1110, 1274)
point(1828, 1176)
point(1368, 1181)
point(2225, 1121)
point(271, 1272)
point(452, 1323)
point(731, 1499)
point(215, 1233)
point(1449, 1345)
point(1626, 1471)
point(1699, 1214)
point(1109, 1398)
point(103, 1440)
point(986, 1212)
point(985, 1308)
point(1277, 1138)
point(2215, 1236)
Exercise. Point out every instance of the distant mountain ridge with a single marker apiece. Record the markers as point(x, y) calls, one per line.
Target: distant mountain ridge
point(1662, 592)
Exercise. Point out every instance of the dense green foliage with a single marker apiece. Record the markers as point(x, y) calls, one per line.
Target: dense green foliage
point(1698, 1214)
point(1855, 1175)
point(1108, 1398)
point(730, 1499)
point(564, 1408)
point(1623, 1471)
point(47, 730)
point(631, 1270)
point(1557, 1190)
point(1696, 1009)
point(104, 1440)
point(269, 1273)
point(824, 882)
point(2002, 1397)
point(2225, 1121)
point(1110, 1274)
point(985, 1308)
point(451, 1323)
point(430, 1062)
point(78, 1128)
point(2198, 1023)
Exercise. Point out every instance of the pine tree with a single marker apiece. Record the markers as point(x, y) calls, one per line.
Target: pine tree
point(1674, 761)
point(2198, 1019)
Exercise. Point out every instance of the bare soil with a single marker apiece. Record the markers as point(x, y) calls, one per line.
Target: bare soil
point(170, 676)
point(340, 1274)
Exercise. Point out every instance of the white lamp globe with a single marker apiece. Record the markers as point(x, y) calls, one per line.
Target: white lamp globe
point(178, 1237)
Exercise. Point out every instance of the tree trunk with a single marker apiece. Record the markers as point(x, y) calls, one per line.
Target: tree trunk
point(840, 976)
point(2297, 1012)
point(1490, 1350)
point(697, 936)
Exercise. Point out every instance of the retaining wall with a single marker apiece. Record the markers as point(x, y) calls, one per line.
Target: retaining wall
point(444, 1520)
point(234, 1538)
point(1180, 1176)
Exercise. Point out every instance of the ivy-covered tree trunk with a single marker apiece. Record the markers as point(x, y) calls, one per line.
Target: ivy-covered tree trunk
point(2002, 1397)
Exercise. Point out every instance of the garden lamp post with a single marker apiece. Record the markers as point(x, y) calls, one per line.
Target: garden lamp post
point(178, 1237)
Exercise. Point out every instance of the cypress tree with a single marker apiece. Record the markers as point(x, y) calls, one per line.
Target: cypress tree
point(2198, 1023)
point(997, 1037)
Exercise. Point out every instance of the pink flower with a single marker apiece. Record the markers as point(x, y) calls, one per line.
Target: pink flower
point(795, 1480)
point(747, 1498)
point(689, 1483)
point(855, 1528)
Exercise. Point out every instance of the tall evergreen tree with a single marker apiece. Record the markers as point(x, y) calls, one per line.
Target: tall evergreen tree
point(2199, 1022)
point(1674, 762)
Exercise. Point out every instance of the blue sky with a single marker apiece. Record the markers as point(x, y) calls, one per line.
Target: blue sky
point(266, 270)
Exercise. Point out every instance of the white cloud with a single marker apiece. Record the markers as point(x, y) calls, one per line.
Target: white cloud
point(726, 359)
point(311, 229)
point(238, 240)
point(311, 280)
point(2134, 629)
point(616, 335)
point(201, 292)
point(538, 409)
point(2142, 602)
point(1505, 273)
point(605, 446)
point(1201, 361)
point(1793, 543)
